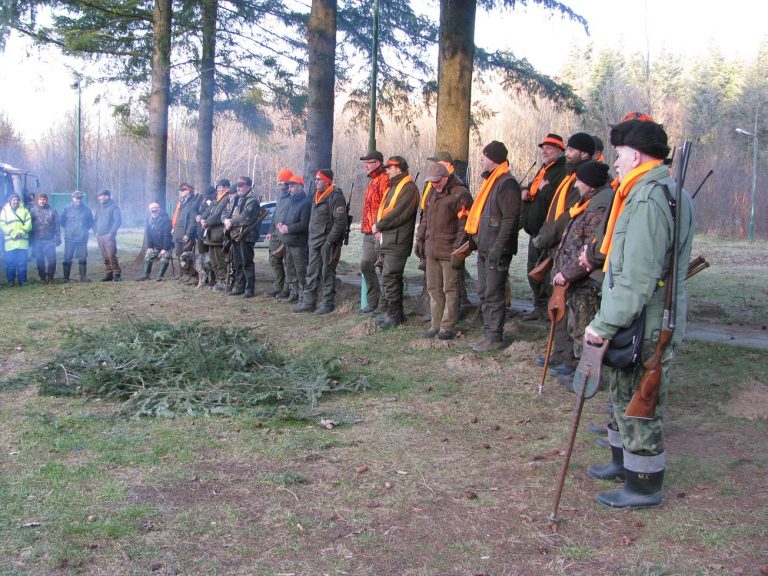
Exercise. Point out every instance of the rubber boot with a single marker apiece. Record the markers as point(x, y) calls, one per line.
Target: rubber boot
point(614, 470)
point(161, 271)
point(642, 485)
point(107, 277)
point(67, 266)
point(83, 267)
point(146, 272)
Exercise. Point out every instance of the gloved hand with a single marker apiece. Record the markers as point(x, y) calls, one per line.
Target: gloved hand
point(456, 263)
point(419, 249)
point(494, 256)
point(537, 241)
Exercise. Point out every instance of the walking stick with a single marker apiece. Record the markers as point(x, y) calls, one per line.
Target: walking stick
point(556, 311)
point(567, 457)
point(586, 382)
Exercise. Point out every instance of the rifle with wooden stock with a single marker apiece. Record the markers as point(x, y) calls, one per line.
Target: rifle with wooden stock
point(645, 398)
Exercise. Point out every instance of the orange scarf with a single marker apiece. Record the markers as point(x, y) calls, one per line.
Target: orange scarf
point(536, 184)
point(221, 195)
point(384, 210)
point(319, 197)
point(175, 213)
point(620, 201)
point(577, 208)
point(428, 189)
point(558, 202)
point(473, 220)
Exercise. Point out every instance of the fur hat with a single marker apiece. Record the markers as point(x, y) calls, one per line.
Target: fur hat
point(582, 142)
point(496, 151)
point(593, 174)
point(642, 135)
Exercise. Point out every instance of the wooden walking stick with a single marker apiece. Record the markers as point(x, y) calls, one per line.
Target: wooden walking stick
point(556, 311)
point(586, 381)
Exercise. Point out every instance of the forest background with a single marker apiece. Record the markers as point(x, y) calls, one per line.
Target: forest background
point(261, 95)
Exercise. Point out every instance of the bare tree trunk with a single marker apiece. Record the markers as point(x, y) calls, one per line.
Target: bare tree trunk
point(321, 41)
point(158, 99)
point(204, 151)
point(454, 76)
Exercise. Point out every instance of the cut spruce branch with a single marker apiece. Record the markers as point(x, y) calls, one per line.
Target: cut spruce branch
point(154, 368)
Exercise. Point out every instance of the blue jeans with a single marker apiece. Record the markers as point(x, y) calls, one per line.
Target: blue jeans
point(16, 265)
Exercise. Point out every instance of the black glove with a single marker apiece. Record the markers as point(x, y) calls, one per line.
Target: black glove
point(494, 256)
point(419, 250)
point(456, 263)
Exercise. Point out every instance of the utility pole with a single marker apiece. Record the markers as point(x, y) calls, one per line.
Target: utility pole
point(374, 74)
point(76, 86)
point(755, 159)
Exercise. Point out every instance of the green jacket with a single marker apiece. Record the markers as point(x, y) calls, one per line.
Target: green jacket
point(11, 223)
point(640, 258)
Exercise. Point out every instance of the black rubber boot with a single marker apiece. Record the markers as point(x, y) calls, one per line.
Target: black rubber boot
point(641, 490)
point(83, 267)
point(614, 470)
point(107, 277)
point(67, 270)
point(161, 272)
point(146, 272)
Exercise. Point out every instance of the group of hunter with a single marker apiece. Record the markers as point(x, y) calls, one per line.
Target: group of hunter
point(605, 242)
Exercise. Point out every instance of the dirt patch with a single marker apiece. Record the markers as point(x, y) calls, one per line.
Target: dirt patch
point(750, 401)
point(472, 364)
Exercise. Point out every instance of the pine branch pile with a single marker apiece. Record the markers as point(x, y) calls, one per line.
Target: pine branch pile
point(159, 369)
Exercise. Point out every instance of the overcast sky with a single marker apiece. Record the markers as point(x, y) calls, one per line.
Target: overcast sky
point(37, 91)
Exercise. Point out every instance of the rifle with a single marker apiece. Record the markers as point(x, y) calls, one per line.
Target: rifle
point(644, 400)
point(349, 215)
point(529, 171)
point(702, 184)
point(695, 266)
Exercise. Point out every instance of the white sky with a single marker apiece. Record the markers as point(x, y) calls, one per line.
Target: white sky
point(37, 86)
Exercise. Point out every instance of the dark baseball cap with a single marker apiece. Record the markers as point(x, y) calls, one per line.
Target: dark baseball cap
point(373, 155)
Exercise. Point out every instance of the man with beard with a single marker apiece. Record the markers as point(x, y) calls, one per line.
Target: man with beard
point(579, 149)
point(243, 226)
point(537, 196)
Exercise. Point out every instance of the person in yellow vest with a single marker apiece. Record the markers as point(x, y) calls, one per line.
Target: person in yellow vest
point(15, 224)
point(493, 223)
point(394, 227)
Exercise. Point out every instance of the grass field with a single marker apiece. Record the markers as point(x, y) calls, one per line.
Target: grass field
point(446, 464)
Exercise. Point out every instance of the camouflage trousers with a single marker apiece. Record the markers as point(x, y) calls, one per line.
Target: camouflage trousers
point(638, 436)
point(153, 254)
point(583, 303)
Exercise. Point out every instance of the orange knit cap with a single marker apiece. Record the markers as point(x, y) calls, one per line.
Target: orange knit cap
point(284, 175)
point(296, 180)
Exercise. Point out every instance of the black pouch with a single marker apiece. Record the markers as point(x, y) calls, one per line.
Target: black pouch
point(626, 348)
